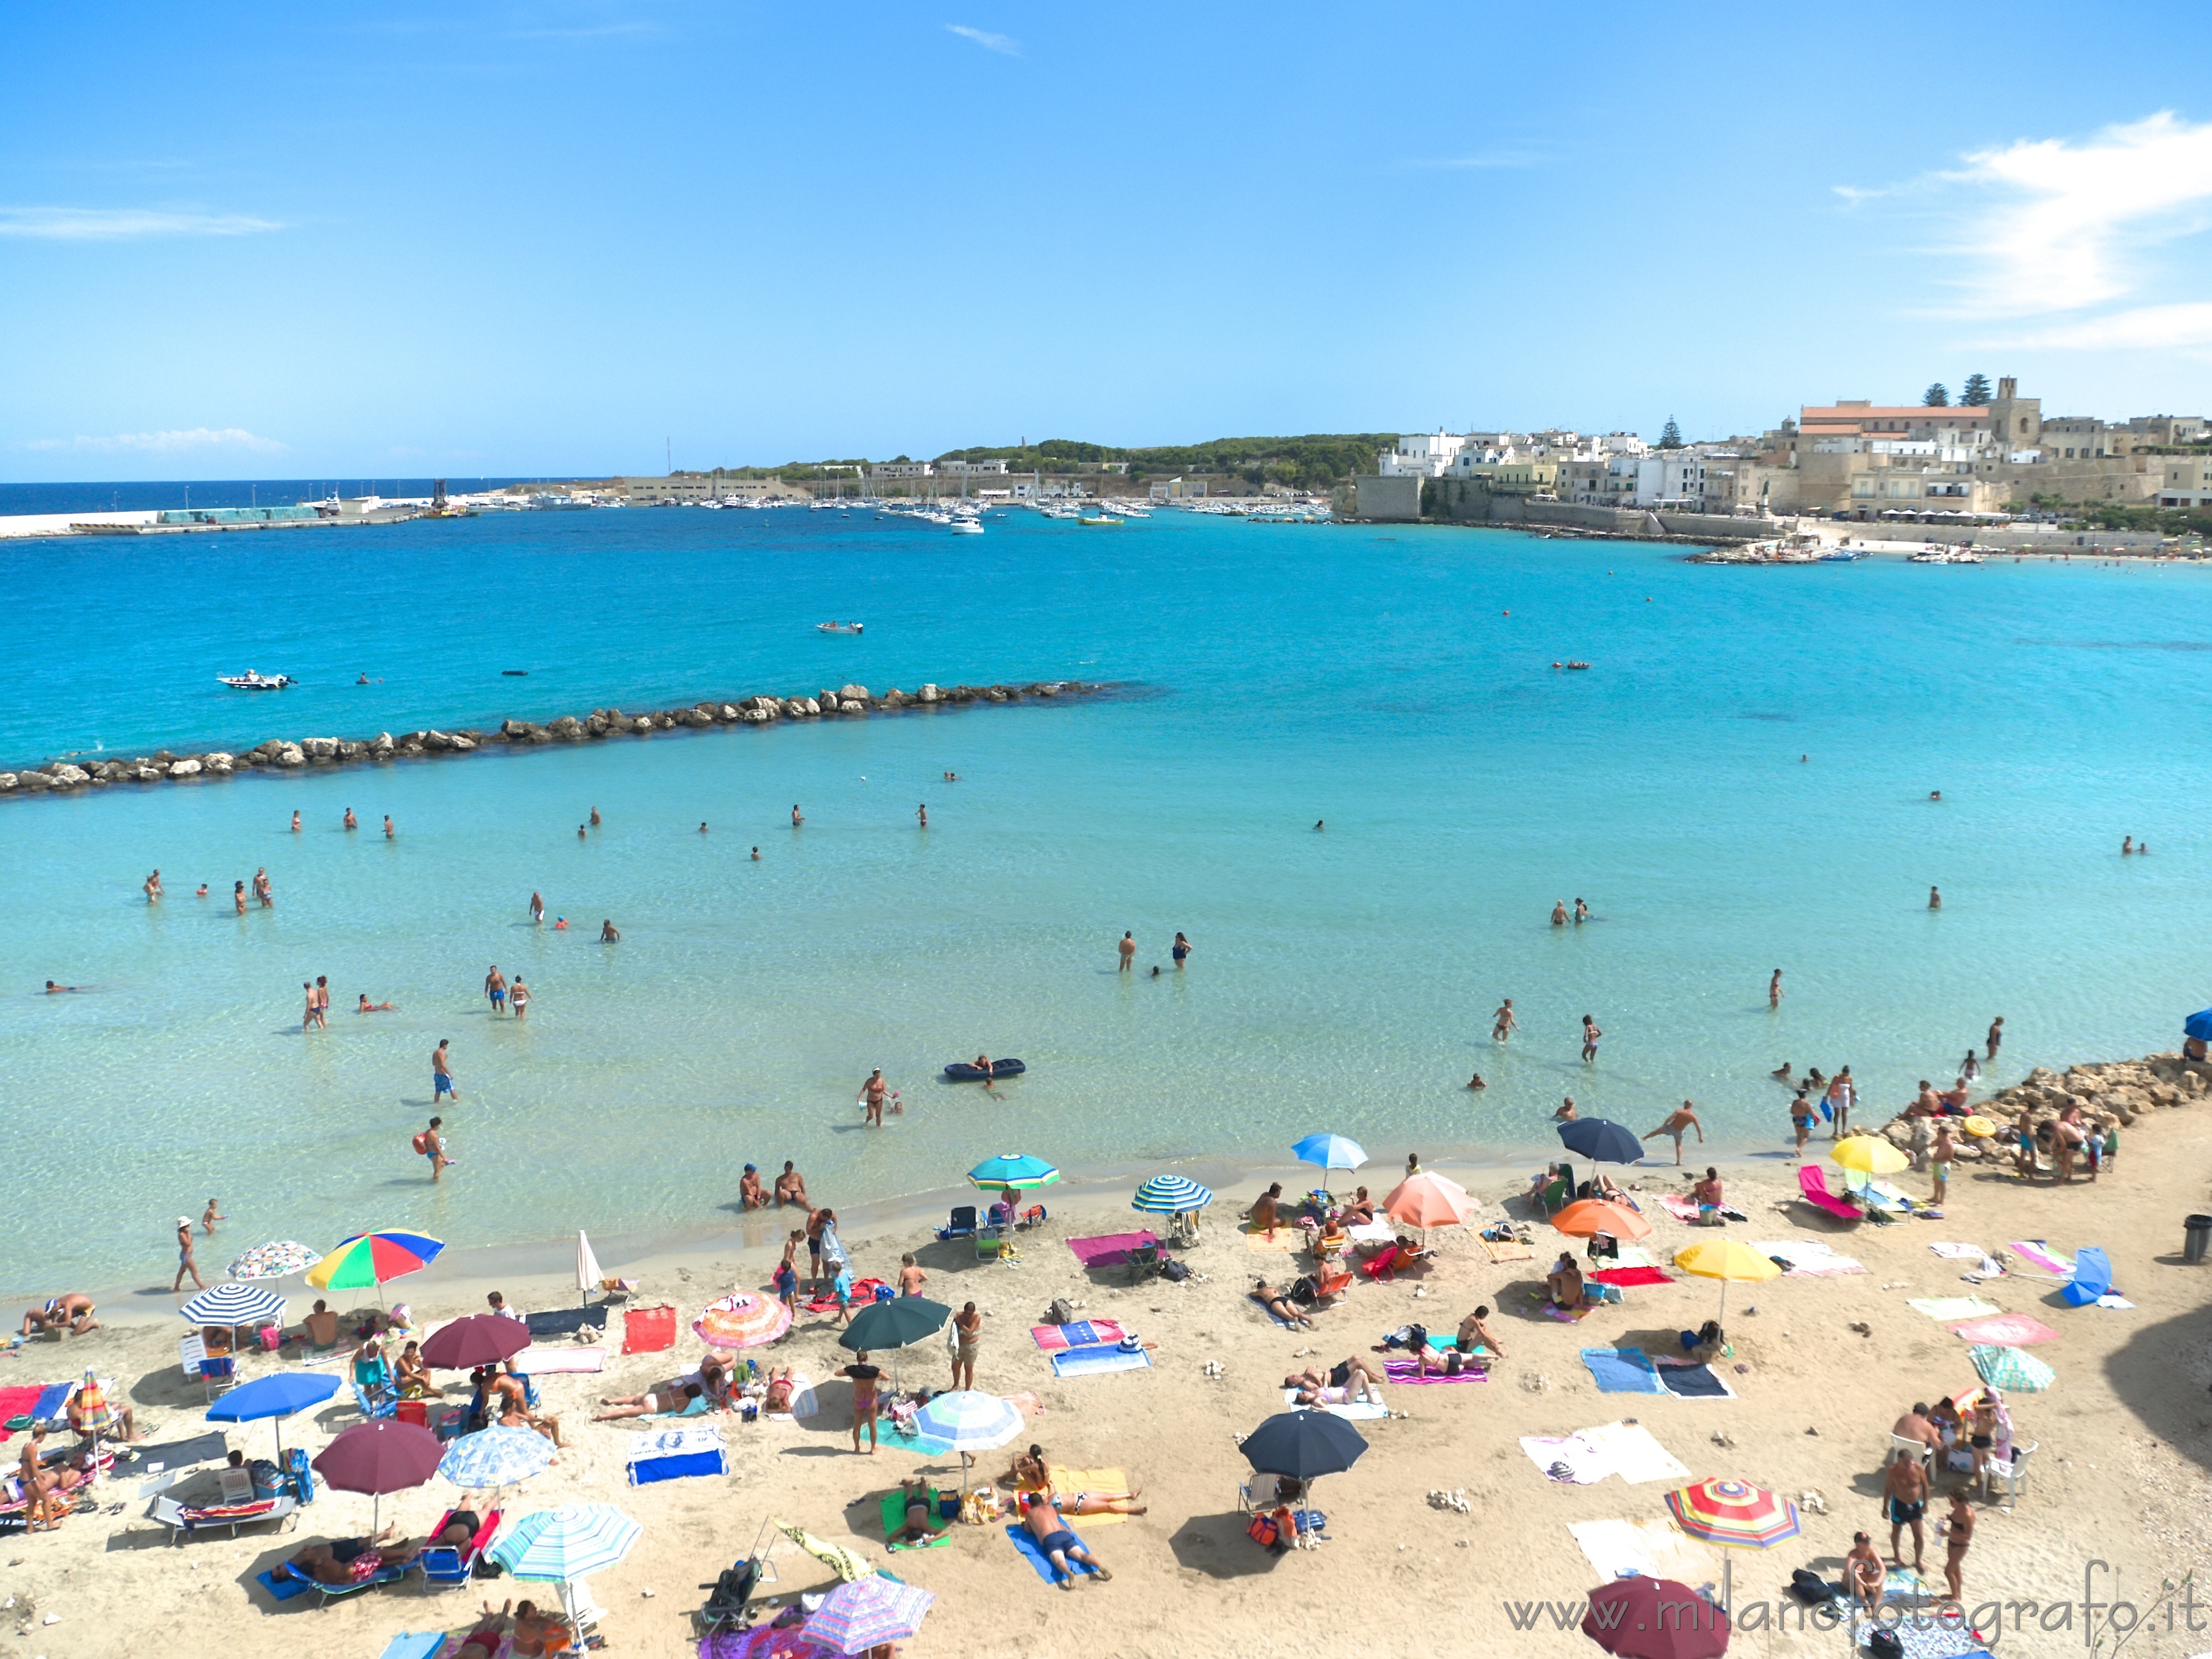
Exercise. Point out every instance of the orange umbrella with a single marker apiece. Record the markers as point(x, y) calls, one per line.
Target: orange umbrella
point(1600, 1215)
point(1429, 1201)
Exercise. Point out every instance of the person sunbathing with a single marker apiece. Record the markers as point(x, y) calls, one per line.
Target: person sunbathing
point(676, 1399)
point(1450, 1362)
point(1278, 1303)
point(1565, 1283)
point(1360, 1211)
point(513, 1395)
point(1060, 1546)
point(460, 1531)
point(71, 1311)
point(780, 1387)
point(340, 1560)
point(483, 1642)
point(921, 1509)
point(537, 1633)
point(1266, 1213)
point(1097, 1503)
point(1613, 1193)
point(1356, 1376)
point(1028, 1474)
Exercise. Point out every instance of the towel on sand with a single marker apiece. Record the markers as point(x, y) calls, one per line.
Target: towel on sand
point(1627, 1278)
point(1109, 1249)
point(1082, 1334)
point(1958, 1252)
point(1680, 1208)
point(648, 1330)
point(2012, 1330)
point(2039, 1257)
point(1622, 1370)
point(1506, 1250)
point(1808, 1257)
point(17, 1402)
point(1404, 1371)
point(1284, 1238)
point(1692, 1381)
point(1066, 1483)
point(1633, 1453)
point(547, 1362)
point(1566, 1458)
point(1652, 1548)
point(1093, 1361)
point(1018, 1536)
point(1948, 1307)
point(1332, 1401)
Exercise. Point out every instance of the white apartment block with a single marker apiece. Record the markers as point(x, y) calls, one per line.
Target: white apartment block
point(1423, 455)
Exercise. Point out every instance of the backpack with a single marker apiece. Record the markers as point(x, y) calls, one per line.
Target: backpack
point(1264, 1531)
point(1059, 1313)
point(1886, 1645)
point(1304, 1290)
point(1808, 1586)
point(1175, 1272)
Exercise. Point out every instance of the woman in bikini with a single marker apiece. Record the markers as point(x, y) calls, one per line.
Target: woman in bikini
point(1278, 1303)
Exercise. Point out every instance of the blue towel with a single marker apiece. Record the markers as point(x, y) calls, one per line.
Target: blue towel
point(1081, 1334)
point(1037, 1558)
point(1622, 1370)
point(1093, 1361)
point(1692, 1381)
point(52, 1401)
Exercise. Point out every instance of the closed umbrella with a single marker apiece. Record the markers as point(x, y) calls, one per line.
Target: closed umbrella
point(1331, 1152)
point(1428, 1200)
point(234, 1305)
point(278, 1258)
point(275, 1397)
point(1655, 1619)
point(1017, 1169)
point(1587, 1216)
point(968, 1421)
point(379, 1456)
point(2015, 1369)
point(587, 1267)
point(558, 1547)
point(868, 1613)
point(1726, 1260)
point(1869, 1155)
point(2092, 1277)
point(496, 1457)
point(741, 1321)
point(1734, 1512)
point(483, 1338)
point(374, 1259)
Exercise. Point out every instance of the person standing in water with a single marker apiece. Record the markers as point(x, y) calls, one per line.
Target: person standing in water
point(295, 822)
point(1180, 951)
point(442, 1075)
point(595, 818)
point(1996, 1036)
point(537, 910)
point(1559, 913)
point(872, 1096)
point(520, 999)
point(1502, 1023)
point(1774, 990)
point(351, 822)
point(387, 826)
point(153, 888)
point(495, 990)
point(238, 896)
point(1128, 949)
point(922, 813)
point(184, 1263)
point(1582, 913)
point(1935, 898)
point(797, 817)
point(1590, 1035)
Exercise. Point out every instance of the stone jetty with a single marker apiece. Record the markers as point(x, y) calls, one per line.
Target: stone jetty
point(2112, 1095)
point(297, 754)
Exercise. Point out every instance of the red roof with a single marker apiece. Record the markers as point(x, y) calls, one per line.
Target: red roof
point(1836, 414)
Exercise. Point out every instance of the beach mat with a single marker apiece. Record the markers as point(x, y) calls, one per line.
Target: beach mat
point(1081, 1333)
point(1945, 1308)
point(1109, 1249)
point(1506, 1250)
point(1622, 1370)
point(804, 1402)
point(1066, 1483)
point(1097, 1361)
point(2043, 1259)
point(171, 1454)
point(1634, 1453)
point(2013, 1330)
point(553, 1362)
point(1693, 1383)
point(1651, 1548)
point(1806, 1257)
point(894, 1513)
point(1680, 1208)
point(1285, 1238)
point(51, 1401)
point(565, 1322)
point(648, 1330)
point(17, 1402)
point(1628, 1277)
point(1569, 1459)
point(1018, 1536)
point(1404, 1371)
point(1353, 1410)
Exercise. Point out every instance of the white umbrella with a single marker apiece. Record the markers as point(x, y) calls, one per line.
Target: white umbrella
point(968, 1421)
point(587, 1267)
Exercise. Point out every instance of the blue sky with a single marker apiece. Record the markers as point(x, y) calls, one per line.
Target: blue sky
point(544, 239)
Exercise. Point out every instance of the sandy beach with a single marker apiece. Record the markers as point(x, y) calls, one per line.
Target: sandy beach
point(1821, 1366)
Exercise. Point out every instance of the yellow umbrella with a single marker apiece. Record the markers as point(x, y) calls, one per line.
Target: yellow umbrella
point(1725, 1259)
point(1869, 1155)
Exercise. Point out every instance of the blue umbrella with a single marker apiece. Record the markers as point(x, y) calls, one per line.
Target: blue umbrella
point(2092, 1277)
point(497, 1457)
point(278, 1396)
point(2198, 1026)
point(1600, 1140)
point(1171, 1194)
point(1331, 1152)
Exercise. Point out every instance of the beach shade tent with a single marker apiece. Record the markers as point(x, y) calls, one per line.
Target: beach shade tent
point(868, 1613)
point(587, 1267)
point(374, 1259)
point(380, 1456)
point(968, 1421)
point(484, 1338)
point(1017, 1169)
point(1602, 1141)
point(2198, 1026)
point(1727, 1261)
point(234, 1305)
point(2092, 1277)
point(1427, 1201)
point(275, 1397)
point(1734, 1512)
point(1655, 1619)
point(1869, 1155)
point(893, 1324)
point(558, 1547)
point(741, 1320)
point(495, 1457)
point(278, 1258)
point(1330, 1152)
point(1586, 1216)
point(1171, 1194)
point(2014, 1370)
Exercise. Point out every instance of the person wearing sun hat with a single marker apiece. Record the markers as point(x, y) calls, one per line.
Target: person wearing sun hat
point(184, 1263)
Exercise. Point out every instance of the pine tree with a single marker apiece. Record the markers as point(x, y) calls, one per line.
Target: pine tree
point(1936, 397)
point(1975, 393)
point(1671, 437)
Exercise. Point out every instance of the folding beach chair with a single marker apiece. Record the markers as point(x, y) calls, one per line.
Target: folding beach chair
point(374, 1402)
point(1145, 1260)
point(448, 1567)
point(961, 1223)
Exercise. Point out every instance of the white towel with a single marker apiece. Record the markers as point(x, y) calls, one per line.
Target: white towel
point(1584, 1464)
point(1633, 1453)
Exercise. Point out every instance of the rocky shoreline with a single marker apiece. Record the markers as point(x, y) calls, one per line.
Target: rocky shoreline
point(296, 754)
point(2112, 1095)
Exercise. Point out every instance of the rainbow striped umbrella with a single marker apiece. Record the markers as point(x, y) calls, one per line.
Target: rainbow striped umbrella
point(369, 1259)
point(741, 1321)
point(1734, 1512)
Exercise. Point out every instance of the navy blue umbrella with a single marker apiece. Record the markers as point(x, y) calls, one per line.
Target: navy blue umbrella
point(1602, 1141)
point(1304, 1444)
point(2198, 1026)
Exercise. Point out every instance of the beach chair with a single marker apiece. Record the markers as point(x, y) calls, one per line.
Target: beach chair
point(447, 1567)
point(726, 1599)
point(185, 1521)
point(1145, 1262)
point(990, 1244)
point(1379, 1266)
point(961, 1223)
point(1812, 1183)
point(1902, 1445)
point(2013, 1473)
point(587, 1613)
point(1558, 1193)
point(1035, 1216)
point(237, 1485)
point(1329, 1287)
point(373, 1402)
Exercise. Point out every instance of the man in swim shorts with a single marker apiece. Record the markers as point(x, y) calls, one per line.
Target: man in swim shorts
point(1677, 1121)
point(1905, 1496)
point(442, 1073)
point(495, 989)
point(71, 1311)
point(434, 1146)
point(1060, 1546)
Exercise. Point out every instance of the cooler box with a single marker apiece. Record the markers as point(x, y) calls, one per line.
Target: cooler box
point(417, 1411)
point(673, 1454)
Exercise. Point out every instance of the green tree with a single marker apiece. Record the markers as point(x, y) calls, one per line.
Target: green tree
point(1976, 392)
point(1936, 397)
point(1670, 436)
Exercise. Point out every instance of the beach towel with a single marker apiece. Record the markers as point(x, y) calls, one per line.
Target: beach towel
point(2039, 1257)
point(173, 1455)
point(552, 1362)
point(894, 1513)
point(1018, 1536)
point(1083, 1334)
point(1566, 1458)
point(17, 1402)
point(1633, 1452)
point(1652, 1548)
point(1628, 1277)
point(1507, 1250)
point(803, 1403)
point(1066, 1483)
point(51, 1399)
point(2113, 1299)
point(1692, 1381)
point(1284, 1238)
point(1331, 1401)
point(564, 1322)
point(1948, 1307)
point(2012, 1330)
point(1564, 1315)
point(1098, 1360)
point(648, 1330)
point(1808, 1257)
point(1622, 1370)
point(1404, 1371)
point(891, 1433)
point(1109, 1249)
point(1958, 1252)
point(1680, 1208)
point(1635, 1255)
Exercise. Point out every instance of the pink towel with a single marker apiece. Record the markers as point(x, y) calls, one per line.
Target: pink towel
point(1403, 1370)
point(2010, 1330)
point(1678, 1207)
point(1109, 1249)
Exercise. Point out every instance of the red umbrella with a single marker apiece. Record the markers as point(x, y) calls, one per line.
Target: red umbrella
point(1655, 1619)
point(380, 1456)
point(483, 1338)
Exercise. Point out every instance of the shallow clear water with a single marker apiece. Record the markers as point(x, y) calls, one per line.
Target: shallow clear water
point(1342, 978)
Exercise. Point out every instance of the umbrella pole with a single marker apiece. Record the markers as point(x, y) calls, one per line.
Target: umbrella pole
point(1722, 1321)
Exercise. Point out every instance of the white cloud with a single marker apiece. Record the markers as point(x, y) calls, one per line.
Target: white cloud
point(985, 40)
point(2139, 328)
point(60, 224)
point(162, 443)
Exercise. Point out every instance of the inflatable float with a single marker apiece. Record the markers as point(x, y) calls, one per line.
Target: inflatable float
point(962, 1071)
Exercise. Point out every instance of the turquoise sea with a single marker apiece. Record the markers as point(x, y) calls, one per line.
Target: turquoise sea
point(1398, 686)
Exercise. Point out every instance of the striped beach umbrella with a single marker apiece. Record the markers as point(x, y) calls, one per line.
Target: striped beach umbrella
point(742, 1321)
point(2011, 1368)
point(234, 1305)
point(371, 1259)
point(496, 1457)
point(868, 1613)
point(761, 1641)
point(1171, 1194)
point(1734, 1512)
point(278, 1258)
point(1017, 1169)
point(558, 1547)
point(968, 1421)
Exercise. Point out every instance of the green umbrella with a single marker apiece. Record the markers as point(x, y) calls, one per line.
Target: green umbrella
point(894, 1324)
point(2012, 1368)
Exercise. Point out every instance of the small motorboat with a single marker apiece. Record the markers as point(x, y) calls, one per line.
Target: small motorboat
point(250, 681)
point(840, 628)
point(515, 673)
point(963, 1071)
point(966, 525)
point(1579, 664)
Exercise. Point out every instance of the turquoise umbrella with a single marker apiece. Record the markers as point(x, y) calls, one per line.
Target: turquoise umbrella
point(558, 1547)
point(1017, 1169)
point(2014, 1369)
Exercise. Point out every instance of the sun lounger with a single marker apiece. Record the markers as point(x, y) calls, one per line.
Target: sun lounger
point(449, 1567)
point(1812, 1183)
point(284, 1588)
point(186, 1521)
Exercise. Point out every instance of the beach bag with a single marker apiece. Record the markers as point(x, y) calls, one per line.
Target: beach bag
point(1886, 1645)
point(1808, 1586)
point(1305, 1290)
point(421, 1143)
point(1264, 1531)
point(1175, 1272)
point(1061, 1312)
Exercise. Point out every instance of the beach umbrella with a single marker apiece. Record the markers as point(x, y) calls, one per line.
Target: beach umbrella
point(1869, 1155)
point(1017, 1169)
point(1655, 1619)
point(2198, 1026)
point(894, 1324)
point(234, 1305)
point(1331, 1152)
point(2092, 1277)
point(868, 1613)
point(379, 1456)
point(474, 1340)
point(587, 1267)
point(1725, 1259)
point(90, 1412)
point(496, 1457)
point(2011, 1368)
point(1734, 1512)
point(276, 1397)
point(1586, 1216)
point(278, 1258)
point(1602, 1141)
point(1304, 1445)
point(1171, 1194)
point(558, 1547)
point(968, 1421)
point(367, 1259)
point(1427, 1201)
point(741, 1321)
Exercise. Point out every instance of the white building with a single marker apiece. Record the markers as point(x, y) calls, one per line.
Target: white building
point(1424, 455)
point(1671, 477)
point(905, 470)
